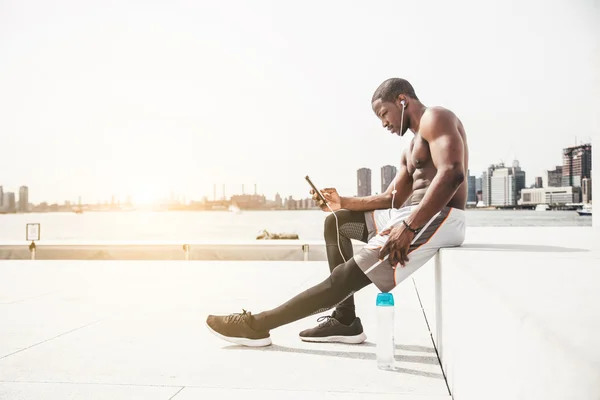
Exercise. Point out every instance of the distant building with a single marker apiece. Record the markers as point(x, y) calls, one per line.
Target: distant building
point(364, 182)
point(577, 164)
point(1, 197)
point(23, 199)
point(388, 173)
point(8, 202)
point(551, 195)
point(586, 190)
point(553, 178)
point(506, 185)
point(538, 182)
point(249, 201)
point(471, 188)
point(479, 189)
point(278, 200)
point(486, 184)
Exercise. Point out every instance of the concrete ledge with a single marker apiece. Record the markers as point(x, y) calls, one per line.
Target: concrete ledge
point(520, 317)
point(267, 250)
point(285, 250)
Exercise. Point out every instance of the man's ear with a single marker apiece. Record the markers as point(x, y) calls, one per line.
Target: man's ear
point(401, 101)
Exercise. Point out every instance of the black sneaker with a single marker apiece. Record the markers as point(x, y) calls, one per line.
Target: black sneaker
point(333, 331)
point(236, 328)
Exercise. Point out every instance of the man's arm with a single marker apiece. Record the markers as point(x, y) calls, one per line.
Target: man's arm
point(384, 200)
point(448, 155)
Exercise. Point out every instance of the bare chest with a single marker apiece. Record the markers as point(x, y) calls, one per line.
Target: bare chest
point(418, 156)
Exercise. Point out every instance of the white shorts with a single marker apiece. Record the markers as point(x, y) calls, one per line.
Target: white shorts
point(445, 229)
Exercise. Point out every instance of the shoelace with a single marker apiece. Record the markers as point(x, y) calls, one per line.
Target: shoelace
point(328, 320)
point(237, 318)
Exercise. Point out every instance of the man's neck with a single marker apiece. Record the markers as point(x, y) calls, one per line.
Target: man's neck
point(414, 116)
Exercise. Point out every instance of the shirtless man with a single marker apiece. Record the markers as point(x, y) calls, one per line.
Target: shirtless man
point(399, 239)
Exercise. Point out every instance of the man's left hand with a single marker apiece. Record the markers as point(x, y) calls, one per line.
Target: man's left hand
point(397, 245)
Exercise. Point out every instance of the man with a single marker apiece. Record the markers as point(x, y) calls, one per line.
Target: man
point(399, 239)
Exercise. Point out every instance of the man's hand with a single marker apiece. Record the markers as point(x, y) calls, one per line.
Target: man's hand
point(397, 244)
point(332, 197)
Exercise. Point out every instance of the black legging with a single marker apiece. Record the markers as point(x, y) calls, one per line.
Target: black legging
point(352, 225)
point(339, 287)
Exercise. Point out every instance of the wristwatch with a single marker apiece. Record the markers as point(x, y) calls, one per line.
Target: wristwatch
point(415, 231)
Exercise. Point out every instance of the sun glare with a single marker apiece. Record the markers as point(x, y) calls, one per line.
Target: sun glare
point(146, 197)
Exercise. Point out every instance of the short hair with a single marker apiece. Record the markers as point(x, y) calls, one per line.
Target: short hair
point(390, 89)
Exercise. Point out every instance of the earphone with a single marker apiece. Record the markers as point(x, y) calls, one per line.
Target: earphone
point(401, 126)
point(403, 102)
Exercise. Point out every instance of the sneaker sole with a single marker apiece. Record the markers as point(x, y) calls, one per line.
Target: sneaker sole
point(357, 339)
point(242, 341)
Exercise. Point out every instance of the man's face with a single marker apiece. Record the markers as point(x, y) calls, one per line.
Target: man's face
point(390, 115)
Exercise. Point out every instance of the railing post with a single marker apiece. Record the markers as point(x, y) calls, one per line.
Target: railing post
point(305, 251)
point(186, 249)
point(32, 250)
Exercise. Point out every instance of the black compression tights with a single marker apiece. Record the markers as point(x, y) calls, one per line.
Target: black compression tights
point(352, 226)
point(338, 289)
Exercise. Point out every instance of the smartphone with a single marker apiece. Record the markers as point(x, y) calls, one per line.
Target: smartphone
point(315, 189)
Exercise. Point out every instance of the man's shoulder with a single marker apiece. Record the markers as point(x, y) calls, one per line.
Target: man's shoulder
point(437, 114)
point(435, 120)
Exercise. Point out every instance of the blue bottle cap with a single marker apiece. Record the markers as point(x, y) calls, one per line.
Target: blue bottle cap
point(385, 299)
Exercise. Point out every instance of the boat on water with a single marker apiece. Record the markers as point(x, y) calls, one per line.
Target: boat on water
point(542, 207)
point(586, 211)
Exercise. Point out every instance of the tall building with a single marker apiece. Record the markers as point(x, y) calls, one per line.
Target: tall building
point(23, 199)
point(1, 197)
point(479, 189)
point(364, 182)
point(520, 176)
point(577, 164)
point(8, 203)
point(471, 188)
point(388, 173)
point(586, 190)
point(486, 184)
point(553, 178)
point(506, 185)
point(538, 182)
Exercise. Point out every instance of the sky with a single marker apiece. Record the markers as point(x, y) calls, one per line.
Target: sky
point(149, 98)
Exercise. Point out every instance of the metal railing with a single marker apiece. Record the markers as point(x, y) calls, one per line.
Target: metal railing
point(290, 250)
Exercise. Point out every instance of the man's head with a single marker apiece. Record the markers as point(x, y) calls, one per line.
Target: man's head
point(387, 103)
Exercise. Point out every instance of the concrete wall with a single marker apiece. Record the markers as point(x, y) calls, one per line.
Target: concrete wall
point(285, 250)
point(516, 319)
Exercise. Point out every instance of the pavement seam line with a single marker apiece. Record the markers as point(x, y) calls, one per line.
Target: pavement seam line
point(29, 298)
point(91, 383)
point(431, 337)
point(52, 338)
point(179, 391)
point(197, 386)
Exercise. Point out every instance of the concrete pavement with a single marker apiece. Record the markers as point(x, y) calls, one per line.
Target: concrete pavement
point(135, 329)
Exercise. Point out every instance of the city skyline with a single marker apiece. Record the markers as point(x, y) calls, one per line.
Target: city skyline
point(366, 184)
point(177, 96)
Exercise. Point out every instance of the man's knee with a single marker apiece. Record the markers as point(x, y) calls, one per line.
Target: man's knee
point(331, 227)
point(348, 277)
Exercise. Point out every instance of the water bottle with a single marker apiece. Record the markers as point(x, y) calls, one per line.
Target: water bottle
point(385, 331)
